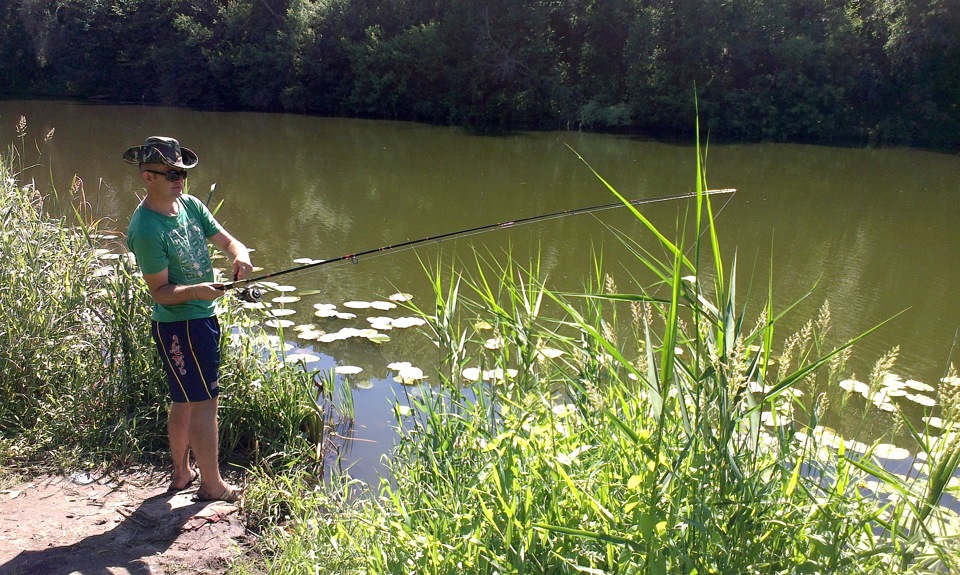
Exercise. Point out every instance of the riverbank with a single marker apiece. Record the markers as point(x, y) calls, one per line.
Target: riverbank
point(124, 521)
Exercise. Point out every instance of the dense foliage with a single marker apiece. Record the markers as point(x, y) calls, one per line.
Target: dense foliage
point(827, 71)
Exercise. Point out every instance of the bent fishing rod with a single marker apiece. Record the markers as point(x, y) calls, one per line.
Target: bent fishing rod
point(253, 294)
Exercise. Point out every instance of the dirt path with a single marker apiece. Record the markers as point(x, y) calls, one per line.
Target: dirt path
point(121, 524)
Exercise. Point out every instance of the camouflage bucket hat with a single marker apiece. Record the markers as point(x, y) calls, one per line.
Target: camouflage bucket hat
point(160, 150)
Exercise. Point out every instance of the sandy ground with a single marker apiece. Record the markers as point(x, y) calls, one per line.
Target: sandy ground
point(110, 525)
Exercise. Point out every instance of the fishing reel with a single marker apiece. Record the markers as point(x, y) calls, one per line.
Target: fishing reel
point(250, 294)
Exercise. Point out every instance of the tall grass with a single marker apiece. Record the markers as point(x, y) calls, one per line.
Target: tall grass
point(643, 432)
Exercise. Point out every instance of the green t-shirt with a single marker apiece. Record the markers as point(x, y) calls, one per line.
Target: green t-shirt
point(177, 244)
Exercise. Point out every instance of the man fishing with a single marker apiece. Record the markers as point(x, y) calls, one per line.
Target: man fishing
point(168, 234)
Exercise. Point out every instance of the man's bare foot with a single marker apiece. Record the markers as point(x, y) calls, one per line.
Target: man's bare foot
point(180, 485)
point(230, 494)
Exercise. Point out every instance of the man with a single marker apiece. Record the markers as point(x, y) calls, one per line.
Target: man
point(168, 234)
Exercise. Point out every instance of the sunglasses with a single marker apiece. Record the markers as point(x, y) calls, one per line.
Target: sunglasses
point(172, 175)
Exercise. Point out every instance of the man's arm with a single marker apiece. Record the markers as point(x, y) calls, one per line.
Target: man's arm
point(166, 293)
point(237, 252)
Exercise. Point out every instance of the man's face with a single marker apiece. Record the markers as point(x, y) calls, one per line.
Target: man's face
point(157, 178)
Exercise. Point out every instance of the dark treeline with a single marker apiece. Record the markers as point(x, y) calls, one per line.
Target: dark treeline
point(884, 72)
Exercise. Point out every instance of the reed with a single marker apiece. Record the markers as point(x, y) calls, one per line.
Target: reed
point(652, 431)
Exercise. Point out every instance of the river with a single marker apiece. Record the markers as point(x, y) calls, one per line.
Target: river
point(873, 231)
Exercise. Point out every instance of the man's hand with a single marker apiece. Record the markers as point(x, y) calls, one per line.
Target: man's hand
point(241, 268)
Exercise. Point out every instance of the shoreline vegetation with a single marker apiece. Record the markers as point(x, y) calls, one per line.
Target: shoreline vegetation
point(654, 429)
point(847, 72)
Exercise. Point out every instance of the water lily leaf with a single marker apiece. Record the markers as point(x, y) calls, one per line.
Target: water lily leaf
point(549, 353)
point(310, 334)
point(398, 365)
point(471, 373)
point(281, 312)
point(400, 297)
point(329, 338)
point(304, 357)
point(285, 299)
point(356, 304)
point(494, 343)
point(347, 369)
point(890, 451)
point(855, 386)
point(409, 375)
point(346, 315)
point(918, 385)
point(324, 306)
point(363, 384)
point(326, 313)
point(406, 322)
point(307, 261)
point(921, 399)
point(279, 323)
point(933, 422)
point(379, 338)
point(382, 305)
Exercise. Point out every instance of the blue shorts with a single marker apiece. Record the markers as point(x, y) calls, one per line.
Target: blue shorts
point(190, 351)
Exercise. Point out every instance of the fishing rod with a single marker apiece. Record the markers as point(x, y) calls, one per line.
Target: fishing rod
point(253, 294)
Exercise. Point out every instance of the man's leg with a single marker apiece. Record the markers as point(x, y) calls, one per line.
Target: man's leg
point(205, 439)
point(178, 428)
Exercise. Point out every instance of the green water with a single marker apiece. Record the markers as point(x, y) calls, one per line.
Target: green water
point(875, 232)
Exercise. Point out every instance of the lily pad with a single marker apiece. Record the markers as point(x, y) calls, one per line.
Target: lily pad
point(549, 353)
point(311, 334)
point(924, 400)
point(471, 373)
point(406, 322)
point(379, 338)
point(347, 369)
point(285, 299)
point(890, 451)
point(400, 297)
point(356, 304)
point(494, 343)
point(409, 375)
point(918, 385)
point(855, 386)
point(363, 384)
point(304, 357)
point(933, 422)
point(279, 323)
point(382, 305)
point(281, 312)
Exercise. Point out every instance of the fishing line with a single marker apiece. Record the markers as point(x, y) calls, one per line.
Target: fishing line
point(253, 294)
